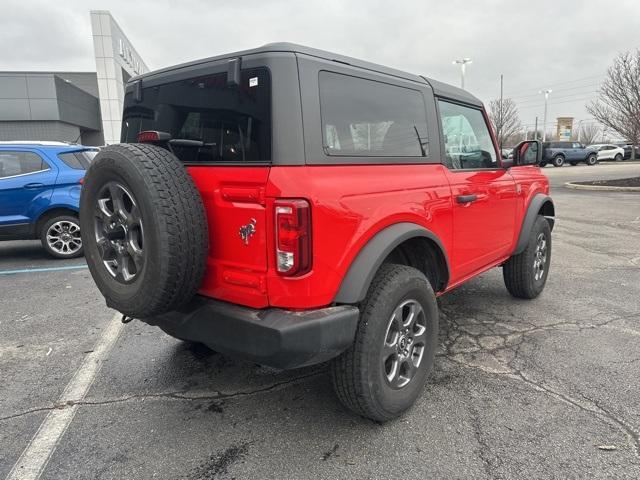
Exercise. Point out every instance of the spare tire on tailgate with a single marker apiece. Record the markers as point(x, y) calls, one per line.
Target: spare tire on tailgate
point(144, 229)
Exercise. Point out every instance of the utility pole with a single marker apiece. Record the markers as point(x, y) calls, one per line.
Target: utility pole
point(463, 68)
point(536, 129)
point(544, 122)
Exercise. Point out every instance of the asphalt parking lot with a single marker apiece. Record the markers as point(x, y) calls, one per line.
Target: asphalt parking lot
point(521, 389)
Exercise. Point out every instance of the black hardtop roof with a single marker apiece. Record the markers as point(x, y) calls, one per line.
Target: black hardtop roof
point(439, 88)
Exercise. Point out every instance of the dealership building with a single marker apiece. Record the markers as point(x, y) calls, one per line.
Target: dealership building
point(82, 107)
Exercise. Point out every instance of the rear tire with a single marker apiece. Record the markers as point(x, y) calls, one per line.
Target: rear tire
point(592, 160)
point(377, 376)
point(144, 229)
point(558, 161)
point(525, 274)
point(60, 237)
point(573, 164)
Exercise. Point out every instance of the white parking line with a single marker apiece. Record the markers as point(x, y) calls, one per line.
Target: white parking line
point(35, 457)
point(39, 270)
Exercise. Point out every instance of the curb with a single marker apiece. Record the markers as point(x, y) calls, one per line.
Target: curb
point(601, 188)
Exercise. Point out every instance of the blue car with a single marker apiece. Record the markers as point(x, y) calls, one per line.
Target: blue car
point(40, 193)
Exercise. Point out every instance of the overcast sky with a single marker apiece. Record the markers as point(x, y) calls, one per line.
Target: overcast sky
point(566, 46)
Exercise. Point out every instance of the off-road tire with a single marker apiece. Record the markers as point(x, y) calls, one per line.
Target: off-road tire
point(592, 160)
point(175, 230)
point(543, 164)
point(558, 161)
point(358, 374)
point(519, 273)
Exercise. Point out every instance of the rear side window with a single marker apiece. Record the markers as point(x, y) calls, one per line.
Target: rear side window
point(78, 160)
point(371, 119)
point(20, 163)
point(229, 125)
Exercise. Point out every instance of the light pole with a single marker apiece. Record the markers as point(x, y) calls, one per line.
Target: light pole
point(544, 121)
point(580, 130)
point(463, 68)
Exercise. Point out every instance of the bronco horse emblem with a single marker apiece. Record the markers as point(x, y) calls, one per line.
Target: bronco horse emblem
point(246, 231)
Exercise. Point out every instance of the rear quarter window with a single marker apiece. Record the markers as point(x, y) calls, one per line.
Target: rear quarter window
point(362, 117)
point(78, 160)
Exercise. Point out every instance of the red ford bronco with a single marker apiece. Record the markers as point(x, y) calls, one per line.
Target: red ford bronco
point(291, 206)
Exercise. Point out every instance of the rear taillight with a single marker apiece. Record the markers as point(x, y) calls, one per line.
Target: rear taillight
point(293, 237)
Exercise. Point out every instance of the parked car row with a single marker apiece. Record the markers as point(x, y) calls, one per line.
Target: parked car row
point(559, 153)
point(40, 193)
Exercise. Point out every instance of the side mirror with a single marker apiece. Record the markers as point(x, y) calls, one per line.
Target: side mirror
point(528, 153)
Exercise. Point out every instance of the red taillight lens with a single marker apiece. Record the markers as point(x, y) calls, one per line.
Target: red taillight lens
point(148, 136)
point(293, 237)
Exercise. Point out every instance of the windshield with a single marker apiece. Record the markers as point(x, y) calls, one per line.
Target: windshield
point(227, 124)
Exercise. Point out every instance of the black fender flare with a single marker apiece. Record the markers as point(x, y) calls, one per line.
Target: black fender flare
point(538, 202)
point(356, 282)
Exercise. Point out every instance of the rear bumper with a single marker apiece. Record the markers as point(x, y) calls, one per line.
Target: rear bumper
point(278, 338)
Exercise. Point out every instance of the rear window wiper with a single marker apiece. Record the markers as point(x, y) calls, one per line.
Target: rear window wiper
point(185, 142)
point(420, 142)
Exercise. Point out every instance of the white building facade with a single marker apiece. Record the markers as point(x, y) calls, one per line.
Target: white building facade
point(116, 61)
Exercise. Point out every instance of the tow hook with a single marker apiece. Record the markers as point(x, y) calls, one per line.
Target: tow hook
point(126, 319)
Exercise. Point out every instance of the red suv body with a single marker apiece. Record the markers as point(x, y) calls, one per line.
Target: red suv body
point(317, 170)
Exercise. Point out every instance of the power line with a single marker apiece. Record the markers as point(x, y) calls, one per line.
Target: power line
point(559, 90)
point(575, 100)
point(561, 97)
point(555, 84)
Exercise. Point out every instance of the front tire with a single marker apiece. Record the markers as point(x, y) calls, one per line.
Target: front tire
point(525, 274)
point(60, 237)
point(382, 374)
point(618, 157)
point(558, 161)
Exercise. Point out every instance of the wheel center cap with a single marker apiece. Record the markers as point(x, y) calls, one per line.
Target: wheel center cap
point(118, 231)
point(403, 342)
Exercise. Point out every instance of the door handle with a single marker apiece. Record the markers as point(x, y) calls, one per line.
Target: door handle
point(466, 198)
point(34, 185)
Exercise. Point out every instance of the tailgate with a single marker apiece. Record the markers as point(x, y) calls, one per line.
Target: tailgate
point(234, 200)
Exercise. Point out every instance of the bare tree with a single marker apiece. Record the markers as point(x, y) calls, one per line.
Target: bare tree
point(504, 118)
point(618, 105)
point(589, 132)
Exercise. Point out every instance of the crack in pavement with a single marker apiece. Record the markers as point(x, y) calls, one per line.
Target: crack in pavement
point(177, 395)
point(484, 451)
point(493, 347)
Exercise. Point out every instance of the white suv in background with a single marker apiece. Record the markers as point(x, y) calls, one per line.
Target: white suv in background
point(609, 152)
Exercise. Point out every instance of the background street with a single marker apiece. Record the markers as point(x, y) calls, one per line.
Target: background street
point(521, 389)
